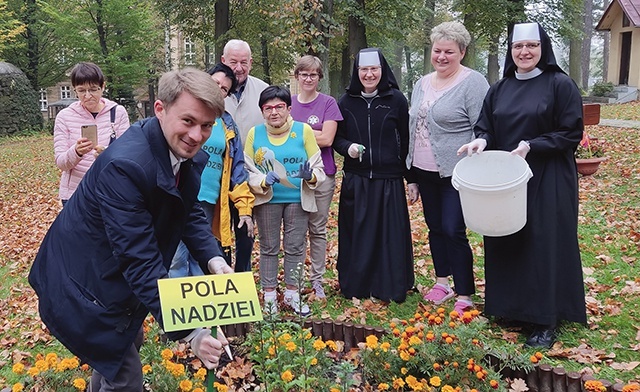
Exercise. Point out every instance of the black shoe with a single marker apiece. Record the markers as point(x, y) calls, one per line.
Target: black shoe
point(543, 336)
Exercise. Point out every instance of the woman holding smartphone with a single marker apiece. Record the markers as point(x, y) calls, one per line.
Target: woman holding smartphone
point(72, 148)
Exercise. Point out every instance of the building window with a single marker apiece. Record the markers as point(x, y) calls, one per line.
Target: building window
point(65, 92)
point(189, 52)
point(43, 100)
point(625, 20)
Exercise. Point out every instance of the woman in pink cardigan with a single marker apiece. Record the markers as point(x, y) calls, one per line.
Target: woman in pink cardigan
point(73, 151)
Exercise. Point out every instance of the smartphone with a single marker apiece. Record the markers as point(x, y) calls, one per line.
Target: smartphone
point(91, 133)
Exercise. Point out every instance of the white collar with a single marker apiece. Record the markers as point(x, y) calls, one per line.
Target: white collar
point(175, 162)
point(529, 75)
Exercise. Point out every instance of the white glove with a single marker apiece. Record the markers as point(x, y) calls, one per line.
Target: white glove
point(217, 265)
point(522, 149)
point(206, 347)
point(246, 220)
point(477, 146)
point(356, 150)
point(414, 193)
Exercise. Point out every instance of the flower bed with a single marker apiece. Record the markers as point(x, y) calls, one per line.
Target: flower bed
point(432, 351)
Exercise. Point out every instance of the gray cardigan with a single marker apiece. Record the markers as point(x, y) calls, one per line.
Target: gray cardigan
point(451, 119)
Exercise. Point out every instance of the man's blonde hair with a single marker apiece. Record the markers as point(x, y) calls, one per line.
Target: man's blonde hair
point(195, 82)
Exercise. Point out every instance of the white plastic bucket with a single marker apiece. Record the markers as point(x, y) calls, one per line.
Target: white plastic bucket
point(493, 192)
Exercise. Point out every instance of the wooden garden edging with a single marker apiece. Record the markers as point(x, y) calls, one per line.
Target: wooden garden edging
point(544, 378)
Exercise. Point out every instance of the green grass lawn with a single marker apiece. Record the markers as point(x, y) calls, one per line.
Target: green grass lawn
point(609, 234)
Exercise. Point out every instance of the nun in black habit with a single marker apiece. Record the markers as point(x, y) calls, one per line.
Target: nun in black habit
point(375, 255)
point(535, 111)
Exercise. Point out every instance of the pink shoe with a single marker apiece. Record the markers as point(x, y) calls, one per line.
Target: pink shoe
point(438, 294)
point(462, 306)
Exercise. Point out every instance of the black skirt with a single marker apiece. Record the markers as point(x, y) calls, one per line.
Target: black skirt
point(375, 255)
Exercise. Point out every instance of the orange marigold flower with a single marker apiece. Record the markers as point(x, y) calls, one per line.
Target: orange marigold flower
point(417, 316)
point(398, 383)
point(372, 341)
point(480, 375)
point(594, 386)
point(455, 365)
point(449, 340)
point(538, 355)
point(319, 344)
point(383, 386)
point(186, 386)
point(84, 367)
point(291, 346)
point(494, 384)
point(448, 388)
point(437, 366)
point(387, 366)
point(17, 387)
point(198, 389)
point(286, 376)
point(533, 359)
point(334, 390)
point(477, 368)
point(219, 387)
point(440, 310)
point(18, 368)
point(404, 322)
point(392, 325)
point(332, 345)
point(146, 369)
point(403, 370)
point(314, 361)
point(396, 332)
point(631, 388)
point(404, 355)
point(166, 354)
point(454, 314)
point(385, 346)
point(452, 324)
point(430, 336)
point(438, 320)
point(201, 374)
point(33, 371)
point(435, 381)
point(80, 384)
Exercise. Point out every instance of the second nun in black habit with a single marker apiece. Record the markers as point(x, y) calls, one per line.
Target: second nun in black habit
point(375, 255)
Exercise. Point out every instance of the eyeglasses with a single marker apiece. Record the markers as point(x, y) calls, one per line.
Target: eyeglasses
point(529, 45)
point(366, 70)
point(269, 108)
point(311, 76)
point(82, 91)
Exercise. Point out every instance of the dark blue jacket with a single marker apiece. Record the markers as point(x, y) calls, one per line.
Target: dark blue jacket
point(97, 269)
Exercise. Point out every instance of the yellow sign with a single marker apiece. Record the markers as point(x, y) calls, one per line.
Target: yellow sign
point(209, 300)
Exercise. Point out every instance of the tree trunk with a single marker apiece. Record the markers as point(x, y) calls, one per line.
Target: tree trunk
point(606, 36)
point(469, 59)
point(265, 59)
point(586, 43)
point(33, 53)
point(167, 44)
point(575, 49)
point(327, 9)
point(397, 67)
point(357, 34)
point(410, 76)
point(430, 7)
point(221, 25)
point(493, 67)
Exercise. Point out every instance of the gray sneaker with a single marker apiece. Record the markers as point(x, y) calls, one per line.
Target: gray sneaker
point(296, 304)
point(319, 290)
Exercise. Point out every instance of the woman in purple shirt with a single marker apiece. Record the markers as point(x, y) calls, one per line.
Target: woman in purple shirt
point(321, 112)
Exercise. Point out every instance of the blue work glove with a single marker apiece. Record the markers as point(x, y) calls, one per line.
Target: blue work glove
point(272, 178)
point(305, 172)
